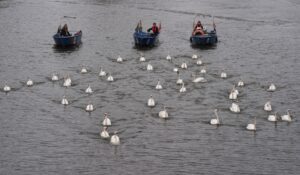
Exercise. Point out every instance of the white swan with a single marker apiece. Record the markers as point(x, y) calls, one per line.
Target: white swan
point(119, 59)
point(194, 56)
point(163, 113)
point(273, 118)
point(198, 79)
point(83, 70)
point(240, 83)
point(64, 101)
point(6, 88)
point(272, 87)
point(235, 108)
point(175, 69)
point(199, 62)
point(215, 121)
point(286, 117)
point(102, 73)
point(149, 67)
point(110, 78)
point(67, 81)
point(223, 75)
point(252, 126)
point(267, 106)
point(232, 95)
point(235, 90)
point(89, 90)
point(158, 86)
point(106, 121)
point(104, 134)
point(151, 102)
point(168, 58)
point(115, 140)
point(89, 107)
point(54, 77)
point(184, 65)
point(203, 71)
point(182, 89)
point(142, 59)
point(29, 82)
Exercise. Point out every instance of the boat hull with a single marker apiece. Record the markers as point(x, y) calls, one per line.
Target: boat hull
point(65, 41)
point(143, 39)
point(206, 39)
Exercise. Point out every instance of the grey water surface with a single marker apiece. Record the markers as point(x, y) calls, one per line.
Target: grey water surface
point(258, 43)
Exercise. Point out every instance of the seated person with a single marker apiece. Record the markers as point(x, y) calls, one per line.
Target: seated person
point(198, 30)
point(154, 29)
point(64, 31)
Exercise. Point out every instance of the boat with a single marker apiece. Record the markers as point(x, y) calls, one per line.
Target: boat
point(205, 38)
point(65, 41)
point(145, 39)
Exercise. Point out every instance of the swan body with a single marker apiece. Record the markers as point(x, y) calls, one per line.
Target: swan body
point(199, 62)
point(104, 134)
point(142, 59)
point(64, 100)
point(203, 71)
point(89, 107)
point(272, 87)
point(115, 140)
point(182, 89)
point(83, 70)
point(168, 58)
point(54, 77)
point(235, 108)
point(149, 67)
point(179, 80)
point(215, 121)
point(67, 82)
point(158, 86)
point(106, 121)
point(198, 79)
point(184, 65)
point(273, 118)
point(89, 90)
point(194, 56)
point(286, 117)
point(240, 83)
point(267, 106)
point(6, 88)
point(110, 78)
point(223, 75)
point(102, 73)
point(252, 126)
point(175, 69)
point(29, 82)
point(163, 113)
point(232, 95)
point(151, 102)
point(119, 59)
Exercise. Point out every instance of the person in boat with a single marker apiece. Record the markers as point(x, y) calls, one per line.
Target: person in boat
point(198, 29)
point(64, 31)
point(154, 29)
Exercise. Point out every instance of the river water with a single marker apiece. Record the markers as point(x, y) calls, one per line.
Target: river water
point(258, 43)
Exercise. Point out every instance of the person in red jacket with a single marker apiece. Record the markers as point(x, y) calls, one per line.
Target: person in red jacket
point(154, 29)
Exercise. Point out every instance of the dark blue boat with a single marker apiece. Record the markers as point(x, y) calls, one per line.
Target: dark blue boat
point(65, 41)
point(144, 39)
point(210, 38)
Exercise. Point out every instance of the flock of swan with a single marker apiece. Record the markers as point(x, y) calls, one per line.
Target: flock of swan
point(216, 120)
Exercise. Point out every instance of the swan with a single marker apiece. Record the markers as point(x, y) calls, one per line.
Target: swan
point(64, 100)
point(29, 82)
point(179, 80)
point(89, 90)
point(163, 113)
point(54, 77)
point(115, 140)
point(175, 69)
point(151, 102)
point(286, 117)
point(6, 88)
point(223, 75)
point(240, 83)
point(158, 86)
point(235, 108)
point(104, 134)
point(252, 126)
point(106, 121)
point(232, 95)
point(110, 78)
point(273, 118)
point(119, 59)
point(272, 87)
point(184, 65)
point(182, 89)
point(67, 81)
point(149, 67)
point(203, 71)
point(198, 79)
point(194, 56)
point(89, 107)
point(235, 90)
point(215, 121)
point(168, 58)
point(199, 62)
point(267, 106)
point(102, 73)
point(83, 70)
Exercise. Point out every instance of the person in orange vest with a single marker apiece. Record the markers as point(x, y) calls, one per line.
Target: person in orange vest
point(198, 30)
point(154, 29)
